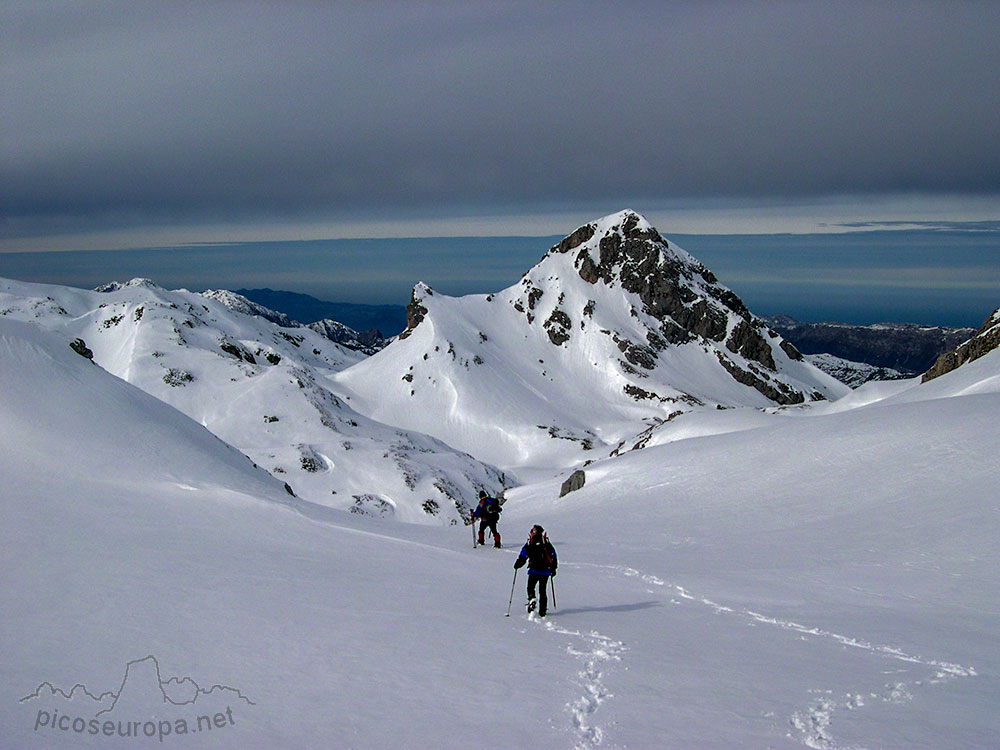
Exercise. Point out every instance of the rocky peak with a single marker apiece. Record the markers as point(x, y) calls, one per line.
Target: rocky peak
point(415, 310)
point(625, 250)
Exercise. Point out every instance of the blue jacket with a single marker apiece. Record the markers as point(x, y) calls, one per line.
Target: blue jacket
point(540, 556)
point(488, 507)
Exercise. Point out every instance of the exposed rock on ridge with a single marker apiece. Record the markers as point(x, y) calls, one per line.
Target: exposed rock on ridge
point(987, 339)
point(415, 311)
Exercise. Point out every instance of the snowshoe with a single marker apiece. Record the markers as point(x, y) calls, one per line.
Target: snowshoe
point(530, 606)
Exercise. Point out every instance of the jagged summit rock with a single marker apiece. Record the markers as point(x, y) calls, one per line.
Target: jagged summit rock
point(415, 310)
point(678, 298)
point(679, 291)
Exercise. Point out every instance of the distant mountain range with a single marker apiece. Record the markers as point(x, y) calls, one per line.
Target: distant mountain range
point(263, 388)
point(907, 348)
point(388, 320)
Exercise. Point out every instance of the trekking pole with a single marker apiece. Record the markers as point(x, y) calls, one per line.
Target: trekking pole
point(511, 602)
point(553, 580)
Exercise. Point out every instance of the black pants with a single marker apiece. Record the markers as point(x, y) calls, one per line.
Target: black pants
point(543, 594)
point(488, 523)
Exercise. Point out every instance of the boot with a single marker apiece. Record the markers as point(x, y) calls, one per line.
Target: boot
point(530, 606)
point(481, 542)
point(496, 541)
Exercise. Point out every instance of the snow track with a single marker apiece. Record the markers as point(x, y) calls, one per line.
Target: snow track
point(812, 724)
point(596, 652)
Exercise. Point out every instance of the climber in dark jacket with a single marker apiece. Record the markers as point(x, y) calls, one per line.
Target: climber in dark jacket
point(540, 556)
point(489, 511)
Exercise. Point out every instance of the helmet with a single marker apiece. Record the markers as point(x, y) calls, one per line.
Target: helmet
point(482, 494)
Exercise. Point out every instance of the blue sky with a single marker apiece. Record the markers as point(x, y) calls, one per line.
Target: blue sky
point(134, 125)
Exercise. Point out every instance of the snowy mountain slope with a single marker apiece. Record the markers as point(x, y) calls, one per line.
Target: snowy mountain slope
point(144, 558)
point(366, 343)
point(60, 409)
point(975, 377)
point(261, 388)
point(348, 338)
point(851, 373)
point(236, 303)
point(614, 328)
point(823, 580)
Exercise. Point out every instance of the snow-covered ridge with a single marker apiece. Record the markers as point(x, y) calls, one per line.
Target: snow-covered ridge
point(239, 303)
point(346, 337)
point(264, 389)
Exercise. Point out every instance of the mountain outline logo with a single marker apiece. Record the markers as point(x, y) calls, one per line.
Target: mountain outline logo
point(171, 689)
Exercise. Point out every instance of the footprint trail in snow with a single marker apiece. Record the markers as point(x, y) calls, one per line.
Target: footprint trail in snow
point(813, 723)
point(596, 652)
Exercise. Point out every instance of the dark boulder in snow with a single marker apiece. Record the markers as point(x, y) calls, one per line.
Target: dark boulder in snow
point(576, 481)
point(372, 505)
point(80, 347)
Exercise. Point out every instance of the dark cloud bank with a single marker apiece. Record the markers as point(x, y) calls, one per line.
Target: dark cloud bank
point(128, 112)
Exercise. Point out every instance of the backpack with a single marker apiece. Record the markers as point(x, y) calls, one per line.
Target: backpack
point(544, 546)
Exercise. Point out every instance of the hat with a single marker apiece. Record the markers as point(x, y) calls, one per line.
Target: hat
point(482, 494)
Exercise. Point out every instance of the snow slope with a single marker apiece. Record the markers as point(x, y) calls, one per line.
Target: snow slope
point(262, 388)
point(615, 329)
point(131, 532)
point(827, 580)
point(802, 577)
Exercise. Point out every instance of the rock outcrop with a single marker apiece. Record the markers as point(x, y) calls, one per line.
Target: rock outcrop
point(987, 339)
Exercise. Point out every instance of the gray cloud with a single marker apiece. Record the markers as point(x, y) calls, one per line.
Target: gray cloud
point(129, 112)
